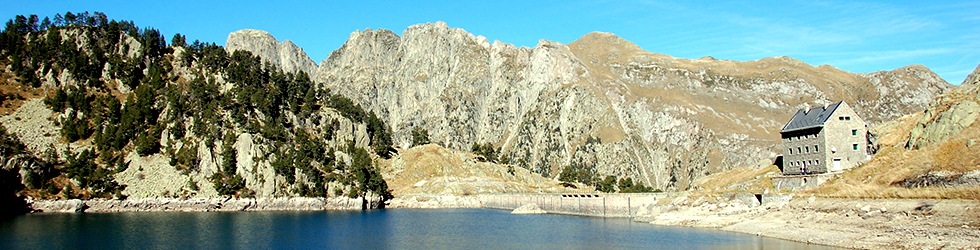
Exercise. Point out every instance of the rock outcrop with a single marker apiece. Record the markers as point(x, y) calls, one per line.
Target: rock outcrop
point(286, 55)
point(601, 102)
point(949, 113)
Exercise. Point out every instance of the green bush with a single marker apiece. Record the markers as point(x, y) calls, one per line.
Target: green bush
point(487, 150)
point(420, 136)
point(607, 185)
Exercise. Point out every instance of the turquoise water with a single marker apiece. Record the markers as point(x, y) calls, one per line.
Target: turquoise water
point(384, 229)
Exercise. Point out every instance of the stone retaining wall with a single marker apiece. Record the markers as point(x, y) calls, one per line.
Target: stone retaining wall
point(598, 205)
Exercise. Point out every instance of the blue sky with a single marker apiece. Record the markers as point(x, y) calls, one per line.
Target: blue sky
point(854, 36)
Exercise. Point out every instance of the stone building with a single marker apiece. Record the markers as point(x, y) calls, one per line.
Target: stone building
point(824, 139)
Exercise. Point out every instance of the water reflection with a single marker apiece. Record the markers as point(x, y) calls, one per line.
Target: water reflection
point(389, 229)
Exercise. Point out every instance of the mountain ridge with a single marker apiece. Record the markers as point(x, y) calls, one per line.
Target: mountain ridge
point(657, 118)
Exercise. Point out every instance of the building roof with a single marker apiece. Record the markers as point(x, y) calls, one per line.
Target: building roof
point(811, 118)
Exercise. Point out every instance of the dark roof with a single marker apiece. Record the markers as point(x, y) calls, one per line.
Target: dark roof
point(815, 117)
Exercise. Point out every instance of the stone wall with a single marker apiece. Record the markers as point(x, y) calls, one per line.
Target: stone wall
point(840, 136)
point(799, 182)
point(804, 147)
point(597, 205)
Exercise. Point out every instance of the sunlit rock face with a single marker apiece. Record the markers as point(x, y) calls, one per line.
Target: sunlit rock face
point(599, 103)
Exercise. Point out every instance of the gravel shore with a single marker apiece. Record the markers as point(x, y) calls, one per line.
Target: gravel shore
point(848, 223)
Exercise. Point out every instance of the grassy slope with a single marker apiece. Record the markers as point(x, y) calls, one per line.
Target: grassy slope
point(892, 163)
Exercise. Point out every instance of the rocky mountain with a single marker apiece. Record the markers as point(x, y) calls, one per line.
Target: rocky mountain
point(286, 55)
point(600, 103)
point(99, 109)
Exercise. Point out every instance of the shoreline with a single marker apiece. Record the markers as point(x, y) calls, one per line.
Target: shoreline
point(195, 205)
point(845, 223)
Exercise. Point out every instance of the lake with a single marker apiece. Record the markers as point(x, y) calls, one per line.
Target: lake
point(377, 229)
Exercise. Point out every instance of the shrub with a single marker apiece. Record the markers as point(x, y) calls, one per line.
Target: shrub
point(420, 136)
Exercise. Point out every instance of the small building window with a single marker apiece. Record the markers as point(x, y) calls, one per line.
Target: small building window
point(840, 118)
point(816, 148)
point(790, 151)
point(799, 150)
point(847, 118)
point(807, 149)
point(855, 146)
point(818, 162)
point(854, 132)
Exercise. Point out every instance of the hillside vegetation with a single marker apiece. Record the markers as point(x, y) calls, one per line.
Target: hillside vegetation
point(129, 114)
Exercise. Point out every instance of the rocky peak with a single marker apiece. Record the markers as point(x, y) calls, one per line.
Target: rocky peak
point(285, 55)
point(600, 103)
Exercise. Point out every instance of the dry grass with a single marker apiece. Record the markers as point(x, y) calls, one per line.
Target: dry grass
point(876, 178)
point(744, 179)
point(893, 164)
point(431, 169)
point(598, 51)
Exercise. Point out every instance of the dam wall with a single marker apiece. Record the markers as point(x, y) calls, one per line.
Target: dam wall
point(598, 205)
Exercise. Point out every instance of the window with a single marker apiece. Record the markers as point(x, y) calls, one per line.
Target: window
point(807, 149)
point(855, 146)
point(790, 151)
point(854, 132)
point(847, 118)
point(818, 162)
point(816, 148)
point(799, 150)
point(840, 118)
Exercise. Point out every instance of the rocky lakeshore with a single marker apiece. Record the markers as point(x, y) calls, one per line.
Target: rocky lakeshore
point(197, 205)
point(438, 201)
point(848, 223)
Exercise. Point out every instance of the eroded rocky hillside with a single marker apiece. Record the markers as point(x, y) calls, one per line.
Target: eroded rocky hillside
point(94, 108)
point(600, 103)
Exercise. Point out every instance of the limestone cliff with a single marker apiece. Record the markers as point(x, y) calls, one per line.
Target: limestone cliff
point(286, 55)
point(601, 102)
